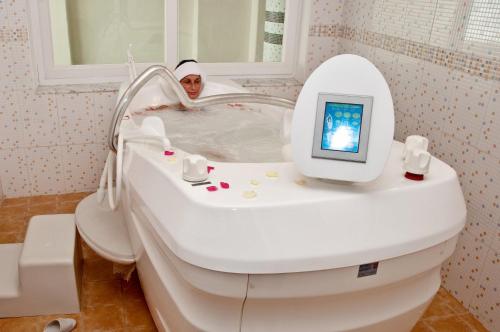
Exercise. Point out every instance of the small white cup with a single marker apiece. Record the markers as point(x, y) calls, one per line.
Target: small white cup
point(417, 161)
point(194, 168)
point(415, 142)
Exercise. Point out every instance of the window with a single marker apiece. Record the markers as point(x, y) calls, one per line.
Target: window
point(86, 41)
point(481, 33)
point(465, 26)
point(484, 22)
point(471, 26)
point(99, 32)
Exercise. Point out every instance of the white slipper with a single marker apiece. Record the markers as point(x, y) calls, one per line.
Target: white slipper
point(60, 325)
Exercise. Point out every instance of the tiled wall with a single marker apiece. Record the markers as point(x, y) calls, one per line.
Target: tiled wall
point(55, 142)
point(450, 92)
point(49, 143)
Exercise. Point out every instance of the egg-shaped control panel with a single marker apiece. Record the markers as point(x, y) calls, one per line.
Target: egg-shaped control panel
point(343, 122)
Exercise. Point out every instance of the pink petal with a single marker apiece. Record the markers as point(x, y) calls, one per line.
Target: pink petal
point(168, 153)
point(212, 188)
point(224, 185)
point(210, 168)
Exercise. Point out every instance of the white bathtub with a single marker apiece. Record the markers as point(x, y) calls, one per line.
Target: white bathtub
point(291, 258)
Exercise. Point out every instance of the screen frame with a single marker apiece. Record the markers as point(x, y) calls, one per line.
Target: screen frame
point(361, 155)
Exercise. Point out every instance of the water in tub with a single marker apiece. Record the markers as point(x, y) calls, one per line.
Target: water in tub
point(229, 133)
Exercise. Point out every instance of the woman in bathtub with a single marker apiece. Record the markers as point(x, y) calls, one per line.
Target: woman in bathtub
point(193, 79)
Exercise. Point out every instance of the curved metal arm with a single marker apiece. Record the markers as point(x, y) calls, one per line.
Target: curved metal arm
point(169, 77)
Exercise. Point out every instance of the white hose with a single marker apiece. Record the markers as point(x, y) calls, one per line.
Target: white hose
point(114, 194)
point(111, 200)
point(119, 170)
point(107, 177)
point(102, 181)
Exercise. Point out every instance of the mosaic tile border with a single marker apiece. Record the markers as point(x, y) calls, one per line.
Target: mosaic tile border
point(13, 35)
point(475, 65)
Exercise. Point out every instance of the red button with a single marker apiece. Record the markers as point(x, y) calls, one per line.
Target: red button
point(414, 177)
point(224, 185)
point(212, 188)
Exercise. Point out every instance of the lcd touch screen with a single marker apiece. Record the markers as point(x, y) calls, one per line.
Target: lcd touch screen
point(342, 127)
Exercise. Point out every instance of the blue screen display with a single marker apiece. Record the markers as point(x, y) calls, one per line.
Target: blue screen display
point(342, 127)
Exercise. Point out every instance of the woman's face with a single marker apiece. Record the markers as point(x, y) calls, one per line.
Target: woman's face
point(192, 85)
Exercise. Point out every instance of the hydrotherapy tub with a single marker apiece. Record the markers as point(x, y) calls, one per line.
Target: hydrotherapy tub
point(277, 251)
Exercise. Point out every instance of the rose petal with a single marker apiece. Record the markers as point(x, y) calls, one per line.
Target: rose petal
point(212, 188)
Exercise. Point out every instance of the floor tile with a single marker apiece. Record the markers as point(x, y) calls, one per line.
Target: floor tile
point(437, 308)
point(11, 238)
point(132, 289)
point(98, 270)
point(13, 224)
point(421, 327)
point(103, 318)
point(99, 293)
point(43, 199)
point(449, 324)
point(13, 211)
point(454, 304)
point(42, 208)
point(73, 197)
point(473, 322)
point(21, 324)
point(141, 329)
point(136, 314)
point(67, 207)
point(8, 202)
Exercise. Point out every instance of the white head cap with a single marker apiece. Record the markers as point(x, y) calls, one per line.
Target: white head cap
point(190, 68)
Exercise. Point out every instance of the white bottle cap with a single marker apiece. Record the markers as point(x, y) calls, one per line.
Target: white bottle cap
point(195, 168)
point(415, 142)
point(417, 161)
